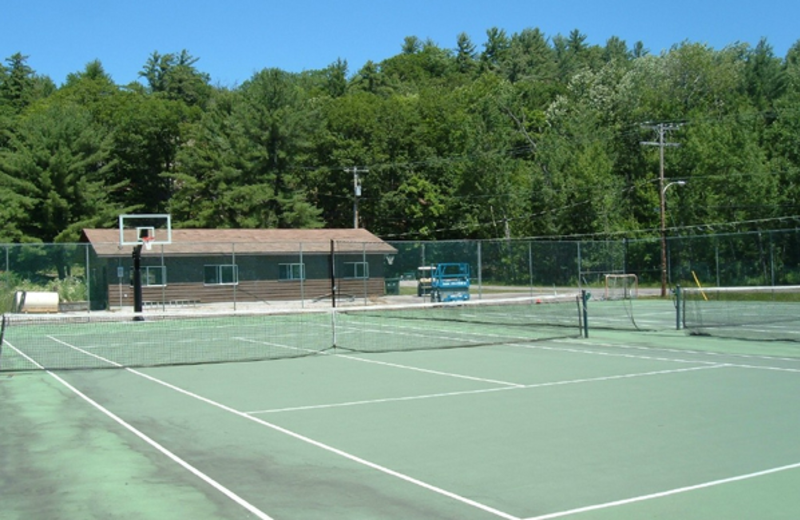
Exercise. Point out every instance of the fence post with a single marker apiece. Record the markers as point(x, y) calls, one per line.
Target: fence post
point(164, 279)
point(366, 274)
point(625, 255)
point(235, 271)
point(302, 278)
point(333, 273)
point(480, 272)
point(771, 259)
point(87, 274)
point(669, 260)
point(530, 265)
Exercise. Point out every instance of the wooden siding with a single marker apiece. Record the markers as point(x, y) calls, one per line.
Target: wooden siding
point(245, 291)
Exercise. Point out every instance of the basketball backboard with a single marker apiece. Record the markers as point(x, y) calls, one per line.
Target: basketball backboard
point(135, 230)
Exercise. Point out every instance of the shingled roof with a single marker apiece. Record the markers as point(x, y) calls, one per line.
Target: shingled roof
point(195, 242)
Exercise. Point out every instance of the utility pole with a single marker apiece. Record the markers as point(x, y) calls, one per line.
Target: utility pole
point(356, 191)
point(662, 129)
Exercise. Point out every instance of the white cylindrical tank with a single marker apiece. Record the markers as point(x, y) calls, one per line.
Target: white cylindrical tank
point(38, 302)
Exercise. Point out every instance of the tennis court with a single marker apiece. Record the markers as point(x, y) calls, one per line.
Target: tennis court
point(519, 418)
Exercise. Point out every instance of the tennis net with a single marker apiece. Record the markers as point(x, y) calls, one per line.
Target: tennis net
point(750, 313)
point(98, 340)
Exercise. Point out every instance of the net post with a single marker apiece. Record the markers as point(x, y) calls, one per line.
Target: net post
point(584, 302)
point(333, 328)
point(2, 335)
point(333, 273)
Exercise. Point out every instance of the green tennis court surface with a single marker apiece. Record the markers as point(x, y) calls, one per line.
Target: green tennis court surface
point(622, 424)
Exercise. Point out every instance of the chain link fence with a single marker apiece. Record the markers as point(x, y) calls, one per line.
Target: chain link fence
point(233, 276)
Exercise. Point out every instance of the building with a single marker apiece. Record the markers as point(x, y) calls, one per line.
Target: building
point(203, 266)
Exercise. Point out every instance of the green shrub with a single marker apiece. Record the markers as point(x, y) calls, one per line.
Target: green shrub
point(70, 289)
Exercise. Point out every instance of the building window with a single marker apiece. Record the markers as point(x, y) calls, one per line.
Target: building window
point(152, 275)
point(221, 275)
point(292, 271)
point(356, 270)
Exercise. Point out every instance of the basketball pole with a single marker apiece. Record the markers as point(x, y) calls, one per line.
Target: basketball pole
point(137, 282)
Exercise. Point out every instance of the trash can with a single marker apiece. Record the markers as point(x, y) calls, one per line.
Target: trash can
point(392, 286)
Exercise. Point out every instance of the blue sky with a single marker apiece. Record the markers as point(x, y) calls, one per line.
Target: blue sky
point(235, 38)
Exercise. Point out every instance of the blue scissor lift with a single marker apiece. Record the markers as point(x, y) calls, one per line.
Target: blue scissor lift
point(450, 282)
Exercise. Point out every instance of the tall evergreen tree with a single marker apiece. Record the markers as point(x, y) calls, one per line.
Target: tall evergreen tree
point(530, 57)
point(17, 87)
point(465, 54)
point(765, 75)
point(276, 120)
point(176, 77)
point(495, 50)
point(55, 176)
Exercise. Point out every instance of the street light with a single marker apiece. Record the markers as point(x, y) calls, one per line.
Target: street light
point(664, 235)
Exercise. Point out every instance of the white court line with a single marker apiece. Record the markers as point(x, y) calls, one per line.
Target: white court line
point(612, 354)
point(286, 347)
point(279, 429)
point(386, 400)
point(763, 367)
point(510, 343)
point(676, 350)
point(772, 330)
point(199, 474)
point(662, 494)
point(397, 365)
point(429, 371)
point(487, 390)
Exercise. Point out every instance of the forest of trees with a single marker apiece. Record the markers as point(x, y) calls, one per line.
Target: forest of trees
point(526, 136)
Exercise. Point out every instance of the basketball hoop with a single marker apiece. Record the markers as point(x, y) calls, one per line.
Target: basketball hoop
point(148, 242)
